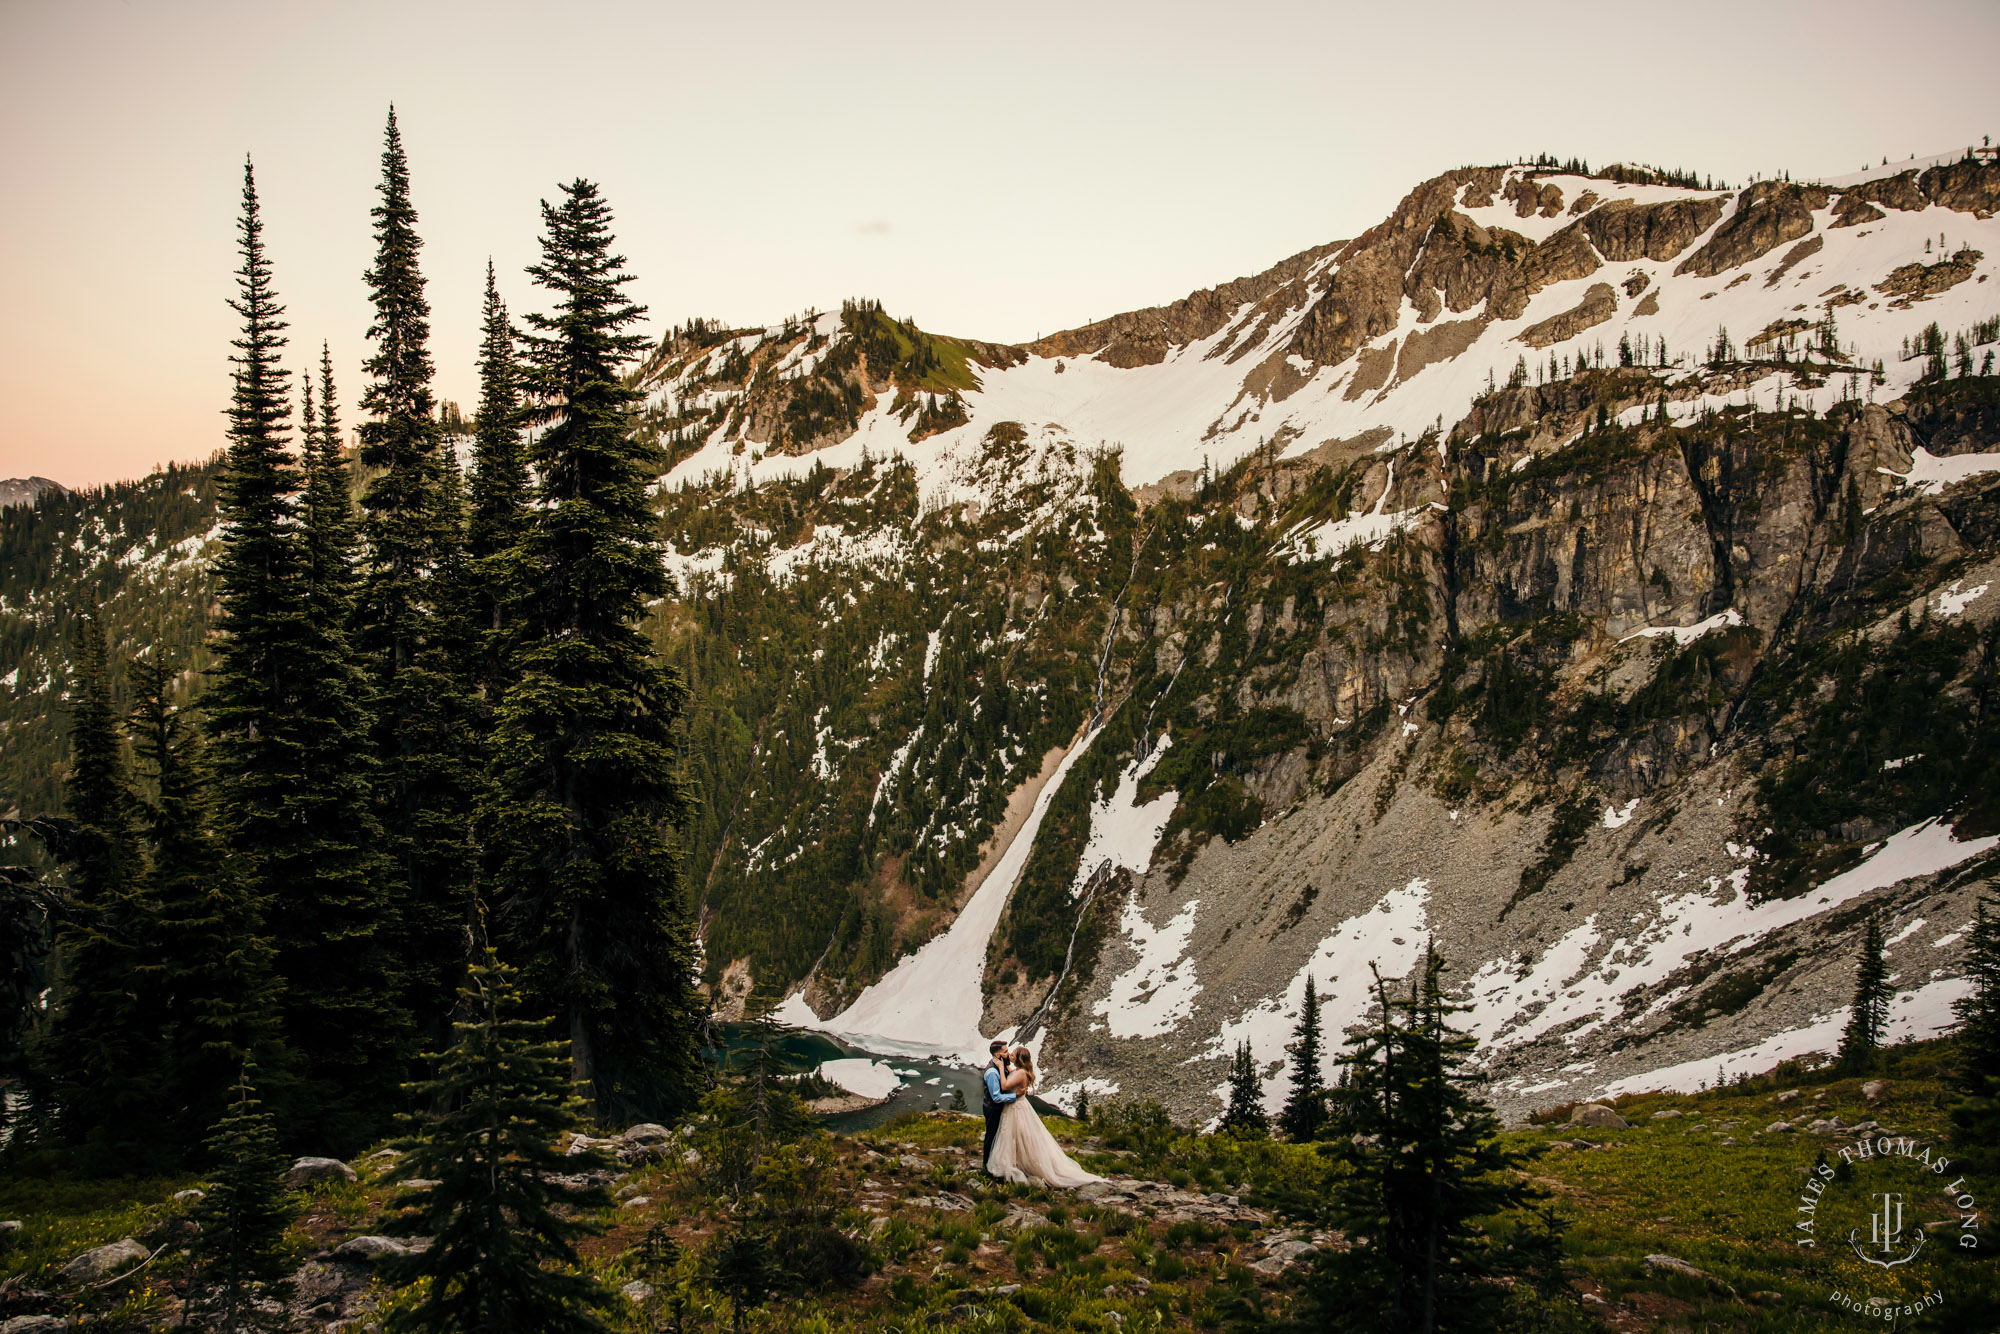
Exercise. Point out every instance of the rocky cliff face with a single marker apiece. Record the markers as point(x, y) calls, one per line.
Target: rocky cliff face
point(1469, 581)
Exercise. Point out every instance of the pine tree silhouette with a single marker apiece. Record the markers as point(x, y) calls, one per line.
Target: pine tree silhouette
point(1428, 1167)
point(1246, 1094)
point(505, 1223)
point(105, 1029)
point(582, 827)
point(209, 964)
point(1975, 1120)
point(1305, 1106)
point(1867, 1022)
point(239, 1250)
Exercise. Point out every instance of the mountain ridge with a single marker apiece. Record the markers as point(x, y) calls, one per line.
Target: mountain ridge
point(1374, 586)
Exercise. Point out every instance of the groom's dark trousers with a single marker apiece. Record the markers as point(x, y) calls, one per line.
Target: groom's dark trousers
point(992, 1110)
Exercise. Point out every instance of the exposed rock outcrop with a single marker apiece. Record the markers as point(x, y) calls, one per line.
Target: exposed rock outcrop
point(1623, 231)
point(1768, 214)
point(1599, 304)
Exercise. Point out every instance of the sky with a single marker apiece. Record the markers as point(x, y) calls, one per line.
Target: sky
point(993, 171)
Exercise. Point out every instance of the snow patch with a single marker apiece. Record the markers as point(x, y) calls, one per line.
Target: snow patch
point(1377, 526)
point(1389, 935)
point(1930, 474)
point(929, 1003)
point(1687, 634)
point(1618, 819)
point(1922, 1013)
point(1952, 602)
point(857, 1074)
point(1123, 831)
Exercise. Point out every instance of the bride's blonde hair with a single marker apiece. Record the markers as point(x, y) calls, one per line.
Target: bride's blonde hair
point(1025, 1059)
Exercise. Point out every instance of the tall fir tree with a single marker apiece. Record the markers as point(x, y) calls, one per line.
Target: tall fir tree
point(505, 1227)
point(289, 714)
point(1975, 1119)
point(1428, 1167)
point(400, 437)
point(499, 487)
point(332, 542)
point(105, 1059)
point(209, 966)
point(583, 826)
point(1305, 1105)
point(239, 1248)
point(1868, 1017)
point(407, 627)
point(1246, 1094)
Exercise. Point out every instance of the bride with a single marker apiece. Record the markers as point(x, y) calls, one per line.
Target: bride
point(1024, 1150)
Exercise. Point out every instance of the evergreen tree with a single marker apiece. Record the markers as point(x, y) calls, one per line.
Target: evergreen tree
point(583, 825)
point(1975, 1119)
point(331, 539)
point(406, 627)
point(289, 713)
point(1861, 1040)
point(504, 1256)
point(1427, 1165)
point(400, 440)
point(105, 1058)
point(209, 965)
point(242, 1215)
point(1246, 1094)
point(499, 491)
point(1305, 1105)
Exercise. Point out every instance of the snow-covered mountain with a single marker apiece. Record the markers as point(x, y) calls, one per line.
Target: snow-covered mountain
point(1516, 527)
point(1589, 573)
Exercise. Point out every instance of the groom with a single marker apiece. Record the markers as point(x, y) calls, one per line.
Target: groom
point(991, 1099)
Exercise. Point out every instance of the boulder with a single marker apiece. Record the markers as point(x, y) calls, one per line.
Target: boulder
point(33, 1324)
point(1874, 1089)
point(1598, 1115)
point(1669, 1115)
point(1786, 1128)
point(188, 1196)
point(370, 1250)
point(418, 1183)
point(646, 1132)
point(311, 1171)
point(103, 1261)
point(637, 1202)
point(638, 1290)
point(1675, 1265)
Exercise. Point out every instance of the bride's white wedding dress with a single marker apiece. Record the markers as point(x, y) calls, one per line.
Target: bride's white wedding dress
point(1025, 1151)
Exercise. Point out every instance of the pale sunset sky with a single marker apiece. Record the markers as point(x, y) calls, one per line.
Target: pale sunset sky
point(996, 171)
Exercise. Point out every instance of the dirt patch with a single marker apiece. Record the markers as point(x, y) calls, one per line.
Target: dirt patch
point(1429, 346)
point(1599, 304)
point(1372, 367)
point(1805, 249)
point(1912, 283)
point(1775, 330)
point(1274, 379)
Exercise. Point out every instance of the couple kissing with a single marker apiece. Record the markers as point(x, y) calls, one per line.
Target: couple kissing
point(1018, 1146)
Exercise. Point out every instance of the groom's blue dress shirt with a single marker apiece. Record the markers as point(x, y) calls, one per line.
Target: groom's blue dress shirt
point(993, 1086)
